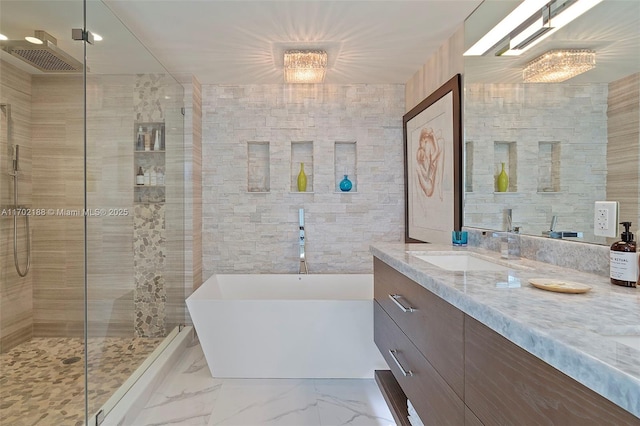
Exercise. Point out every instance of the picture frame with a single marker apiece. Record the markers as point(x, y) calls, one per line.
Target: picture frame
point(432, 133)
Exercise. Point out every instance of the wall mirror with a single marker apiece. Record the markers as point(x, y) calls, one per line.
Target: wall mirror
point(563, 145)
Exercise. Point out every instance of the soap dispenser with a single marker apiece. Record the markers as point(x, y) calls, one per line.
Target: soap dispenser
point(623, 262)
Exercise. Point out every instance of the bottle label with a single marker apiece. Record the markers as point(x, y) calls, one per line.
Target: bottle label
point(623, 266)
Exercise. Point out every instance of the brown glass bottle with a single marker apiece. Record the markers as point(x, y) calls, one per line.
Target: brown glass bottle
point(624, 260)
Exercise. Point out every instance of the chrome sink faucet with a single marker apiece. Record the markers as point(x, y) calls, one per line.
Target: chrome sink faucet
point(302, 269)
point(510, 240)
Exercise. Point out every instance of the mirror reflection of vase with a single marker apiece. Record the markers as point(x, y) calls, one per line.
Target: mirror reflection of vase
point(345, 184)
point(503, 180)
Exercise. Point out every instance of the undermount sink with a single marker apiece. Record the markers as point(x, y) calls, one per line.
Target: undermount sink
point(459, 261)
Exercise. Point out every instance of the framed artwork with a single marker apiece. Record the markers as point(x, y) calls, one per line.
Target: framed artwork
point(432, 166)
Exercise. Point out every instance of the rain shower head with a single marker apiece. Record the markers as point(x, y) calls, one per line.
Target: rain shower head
point(46, 57)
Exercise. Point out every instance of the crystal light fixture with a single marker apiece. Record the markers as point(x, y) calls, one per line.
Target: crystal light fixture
point(305, 66)
point(559, 65)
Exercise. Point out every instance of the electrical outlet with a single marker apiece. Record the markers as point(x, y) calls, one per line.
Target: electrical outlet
point(605, 221)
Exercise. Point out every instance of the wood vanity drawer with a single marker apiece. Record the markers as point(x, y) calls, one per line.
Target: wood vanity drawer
point(433, 399)
point(507, 385)
point(434, 326)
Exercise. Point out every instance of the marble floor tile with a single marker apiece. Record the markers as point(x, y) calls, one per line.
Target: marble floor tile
point(190, 396)
point(186, 396)
point(353, 402)
point(282, 402)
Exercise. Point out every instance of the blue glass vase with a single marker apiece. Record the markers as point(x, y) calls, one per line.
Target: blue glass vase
point(345, 184)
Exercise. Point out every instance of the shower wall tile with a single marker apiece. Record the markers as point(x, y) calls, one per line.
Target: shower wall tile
point(149, 261)
point(58, 252)
point(623, 148)
point(446, 62)
point(58, 238)
point(49, 125)
point(197, 186)
point(175, 215)
point(193, 190)
point(245, 232)
point(16, 300)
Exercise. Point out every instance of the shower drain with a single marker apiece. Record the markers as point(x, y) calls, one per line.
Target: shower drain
point(71, 360)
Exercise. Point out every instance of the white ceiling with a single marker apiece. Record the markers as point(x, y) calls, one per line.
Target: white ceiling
point(241, 42)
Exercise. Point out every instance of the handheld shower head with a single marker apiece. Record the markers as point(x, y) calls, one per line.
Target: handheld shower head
point(16, 157)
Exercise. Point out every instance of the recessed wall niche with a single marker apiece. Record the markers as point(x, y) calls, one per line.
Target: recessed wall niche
point(345, 164)
point(505, 152)
point(301, 154)
point(548, 166)
point(258, 167)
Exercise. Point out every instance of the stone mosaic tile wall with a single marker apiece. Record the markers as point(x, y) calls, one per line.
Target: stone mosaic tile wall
point(258, 232)
point(572, 115)
point(149, 261)
point(148, 99)
point(158, 235)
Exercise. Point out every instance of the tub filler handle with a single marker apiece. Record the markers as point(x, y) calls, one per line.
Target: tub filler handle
point(405, 373)
point(395, 298)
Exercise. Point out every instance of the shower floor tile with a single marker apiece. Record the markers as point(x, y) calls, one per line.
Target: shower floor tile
point(42, 381)
point(189, 396)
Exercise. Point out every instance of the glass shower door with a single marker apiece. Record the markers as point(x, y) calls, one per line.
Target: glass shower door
point(41, 246)
point(134, 224)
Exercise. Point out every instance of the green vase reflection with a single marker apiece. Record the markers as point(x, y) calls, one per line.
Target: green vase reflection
point(503, 180)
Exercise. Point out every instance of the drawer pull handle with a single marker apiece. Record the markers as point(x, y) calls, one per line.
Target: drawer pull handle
point(405, 373)
point(395, 298)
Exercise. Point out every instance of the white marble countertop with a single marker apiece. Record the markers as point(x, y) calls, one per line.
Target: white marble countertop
point(592, 337)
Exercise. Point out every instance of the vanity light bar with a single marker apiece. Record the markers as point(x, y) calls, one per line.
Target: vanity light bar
point(514, 41)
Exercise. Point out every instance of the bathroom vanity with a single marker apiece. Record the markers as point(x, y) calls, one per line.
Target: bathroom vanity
point(483, 346)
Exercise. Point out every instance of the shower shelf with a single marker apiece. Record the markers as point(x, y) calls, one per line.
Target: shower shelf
point(150, 160)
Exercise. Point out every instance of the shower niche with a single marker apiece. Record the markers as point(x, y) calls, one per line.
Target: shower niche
point(149, 162)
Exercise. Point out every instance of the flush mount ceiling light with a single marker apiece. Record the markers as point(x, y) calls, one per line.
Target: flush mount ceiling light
point(527, 25)
point(305, 66)
point(559, 65)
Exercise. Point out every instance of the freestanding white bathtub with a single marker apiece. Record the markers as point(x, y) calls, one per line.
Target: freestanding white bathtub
point(287, 326)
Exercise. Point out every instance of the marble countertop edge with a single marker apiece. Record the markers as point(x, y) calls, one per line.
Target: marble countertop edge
point(617, 385)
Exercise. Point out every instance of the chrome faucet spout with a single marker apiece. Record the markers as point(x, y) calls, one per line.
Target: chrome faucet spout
point(509, 218)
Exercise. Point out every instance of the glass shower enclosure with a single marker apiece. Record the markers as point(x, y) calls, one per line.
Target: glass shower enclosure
point(91, 256)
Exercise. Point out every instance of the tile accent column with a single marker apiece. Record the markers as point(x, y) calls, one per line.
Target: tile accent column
point(150, 293)
point(149, 236)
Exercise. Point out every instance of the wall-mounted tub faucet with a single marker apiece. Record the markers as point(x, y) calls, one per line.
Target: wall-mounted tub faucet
point(303, 261)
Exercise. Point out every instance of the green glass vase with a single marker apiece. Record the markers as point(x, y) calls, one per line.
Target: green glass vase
point(503, 180)
point(302, 179)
